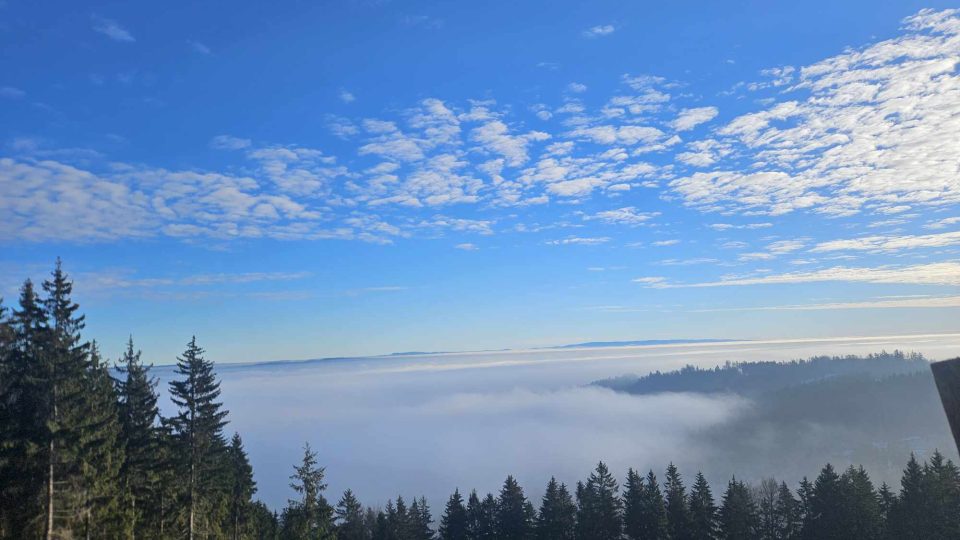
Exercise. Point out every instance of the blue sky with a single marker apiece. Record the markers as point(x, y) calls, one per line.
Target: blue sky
point(305, 179)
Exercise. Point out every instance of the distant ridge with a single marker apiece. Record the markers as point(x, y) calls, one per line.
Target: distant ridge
point(639, 342)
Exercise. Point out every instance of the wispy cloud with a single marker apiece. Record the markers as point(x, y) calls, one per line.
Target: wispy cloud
point(112, 29)
point(944, 273)
point(579, 241)
point(890, 243)
point(599, 31)
point(10, 92)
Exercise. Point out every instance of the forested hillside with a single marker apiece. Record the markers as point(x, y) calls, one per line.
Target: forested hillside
point(86, 454)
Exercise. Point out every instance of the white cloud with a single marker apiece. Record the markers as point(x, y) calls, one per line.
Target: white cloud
point(346, 96)
point(890, 243)
point(853, 128)
point(577, 88)
point(934, 302)
point(943, 223)
point(944, 273)
point(691, 118)
point(579, 241)
point(112, 30)
point(664, 243)
point(599, 30)
point(467, 246)
point(228, 142)
point(627, 215)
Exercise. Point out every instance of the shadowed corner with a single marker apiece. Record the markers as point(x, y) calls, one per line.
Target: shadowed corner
point(947, 375)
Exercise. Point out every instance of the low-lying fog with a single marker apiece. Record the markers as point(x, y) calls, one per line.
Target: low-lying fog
point(425, 424)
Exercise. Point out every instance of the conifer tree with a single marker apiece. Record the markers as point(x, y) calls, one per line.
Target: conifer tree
point(738, 514)
point(514, 513)
point(703, 510)
point(138, 422)
point(241, 486)
point(481, 517)
point(765, 497)
point(909, 512)
point(453, 523)
point(941, 481)
point(310, 516)
point(418, 520)
point(350, 518)
point(859, 506)
point(787, 510)
point(599, 512)
point(557, 517)
point(675, 496)
point(198, 435)
point(826, 512)
point(886, 500)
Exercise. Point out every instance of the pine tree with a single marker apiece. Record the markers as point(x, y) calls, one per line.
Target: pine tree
point(738, 514)
point(141, 439)
point(703, 510)
point(942, 487)
point(514, 513)
point(198, 433)
point(453, 524)
point(886, 500)
point(788, 514)
point(860, 506)
point(310, 516)
point(599, 512)
point(675, 495)
point(101, 453)
point(481, 517)
point(350, 518)
point(21, 453)
point(910, 509)
point(557, 518)
point(418, 520)
point(64, 407)
point(826, 513)
point(241, 486)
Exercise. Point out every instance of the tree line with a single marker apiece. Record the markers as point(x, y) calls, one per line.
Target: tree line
point(85, 453)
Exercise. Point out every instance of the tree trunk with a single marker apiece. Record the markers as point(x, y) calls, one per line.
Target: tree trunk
point(49, 535)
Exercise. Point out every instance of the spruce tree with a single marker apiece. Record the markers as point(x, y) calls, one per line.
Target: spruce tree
point(703, 510)
point(198, 434)
point(310, 516)
point(557, 518)
point(481, 517)
point(139, 433)
point(860, 506)
point(787, 510)
point(350, 518)
point(675, 496)
point(910, 509)
point(241, 487)
point(453, 523)
point(514, 513)
point(941, 481)
point(826, 506)
point(599, 512)
point(738, 514)
point(418, 520)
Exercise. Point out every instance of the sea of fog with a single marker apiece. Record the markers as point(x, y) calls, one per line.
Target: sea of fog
point(425, 424)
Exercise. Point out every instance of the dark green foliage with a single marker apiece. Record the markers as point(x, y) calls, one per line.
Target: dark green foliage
point(310, 516)
point(558, 514)
point(678, 516)
point(139, 415)
point(789, 519)
point(738, 513)
point(453, 524)
point(703, 510)
point(599, 509)
point(240, 487)
point(481, 517)
point(645, 512)
point(418, 520)
point(198, 439)
point(514, 513)
point(350, 517)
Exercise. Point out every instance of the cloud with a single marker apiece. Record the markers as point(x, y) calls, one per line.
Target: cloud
point(933, 302)
point(943, 273)
point(199, 47)
point(879, 244)
point(112, 30)
point(347, 97)
point(627, 215)
point(664, 243)
point(691, 118)
point(943, 223)
point(579, 241)
point(846, 132)
point(748, 226)
point(228, 142)
point(467, 246)
point(577, 88)
point(599, 31)
point(10, 92)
